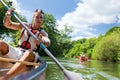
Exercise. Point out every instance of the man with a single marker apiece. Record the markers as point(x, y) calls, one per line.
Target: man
point(26, 45)
point(83, 58)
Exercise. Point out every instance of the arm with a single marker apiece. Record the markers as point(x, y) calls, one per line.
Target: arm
point(8, 23)
point(44, 38)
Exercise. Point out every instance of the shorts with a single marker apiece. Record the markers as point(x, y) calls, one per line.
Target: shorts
point(17, 53)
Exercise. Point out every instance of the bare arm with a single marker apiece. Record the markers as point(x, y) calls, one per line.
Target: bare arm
point(9, 24)
point(44, 37)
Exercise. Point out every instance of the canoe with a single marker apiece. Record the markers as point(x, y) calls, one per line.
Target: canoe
point(32, 73)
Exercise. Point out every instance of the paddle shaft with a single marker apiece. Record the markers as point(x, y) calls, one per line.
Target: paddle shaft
point(23, 62)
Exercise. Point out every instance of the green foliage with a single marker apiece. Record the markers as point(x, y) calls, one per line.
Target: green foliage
point(49, 25)
point(108, 48)
point(5, 30)
point(65, 39)
point(114, 29)
point(74, 51)
point(118, 56)
point(105, 47)
point(90, 46)
point(82, 45)
point(59, 40)
point(83, 40)
point(2, 14)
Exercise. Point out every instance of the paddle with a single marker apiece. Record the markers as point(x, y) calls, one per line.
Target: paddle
point(68, 74)
point(23, 62)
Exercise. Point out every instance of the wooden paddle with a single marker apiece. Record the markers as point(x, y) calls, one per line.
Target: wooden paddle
point(23, 62)
point(68, 74)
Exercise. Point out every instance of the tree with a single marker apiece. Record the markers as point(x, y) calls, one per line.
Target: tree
point(82, 45)
point(5, 32)
point(60, 40)
point(114, 29)
point(108, 48)
point(2, 14)
point(49, 25)
point(65, 39)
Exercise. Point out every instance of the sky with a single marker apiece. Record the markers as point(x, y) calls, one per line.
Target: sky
point(88, 18)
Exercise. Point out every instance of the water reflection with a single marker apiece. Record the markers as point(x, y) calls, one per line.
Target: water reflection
point(91, 70)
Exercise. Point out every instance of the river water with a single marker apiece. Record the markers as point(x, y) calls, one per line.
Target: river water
point(90, 70)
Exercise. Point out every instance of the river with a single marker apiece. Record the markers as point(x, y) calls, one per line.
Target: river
point(90, 70)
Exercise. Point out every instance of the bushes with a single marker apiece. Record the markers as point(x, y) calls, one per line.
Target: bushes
point(108, 48)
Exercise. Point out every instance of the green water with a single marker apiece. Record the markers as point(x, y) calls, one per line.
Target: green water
point(91, 70)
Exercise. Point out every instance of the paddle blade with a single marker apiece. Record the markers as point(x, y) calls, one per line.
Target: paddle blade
point(72, 75)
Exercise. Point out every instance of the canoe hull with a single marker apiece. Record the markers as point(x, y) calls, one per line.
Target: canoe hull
point(34, 73)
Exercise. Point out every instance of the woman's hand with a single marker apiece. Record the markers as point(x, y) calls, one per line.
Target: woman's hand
point(9, 12)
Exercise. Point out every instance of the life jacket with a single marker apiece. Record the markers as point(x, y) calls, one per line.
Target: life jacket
point(26, 41)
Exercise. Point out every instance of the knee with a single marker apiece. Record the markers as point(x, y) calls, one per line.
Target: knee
point(29, 52)
point(30, 56)
point(2, 43)
point(3, 47)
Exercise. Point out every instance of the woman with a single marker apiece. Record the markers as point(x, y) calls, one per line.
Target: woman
point(26, 45)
